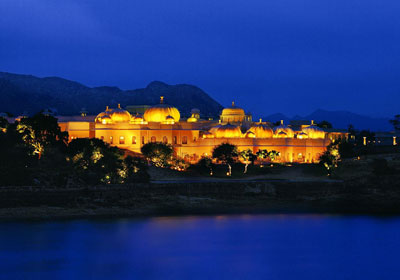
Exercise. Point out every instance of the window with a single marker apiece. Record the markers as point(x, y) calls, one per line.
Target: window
point(122, 140)
point(133, 139)
point(111, 139)
point(184, 140)
point(153, 139)
point(165, 140)
point(142, 139)
point(175, 142)
point(102, 138)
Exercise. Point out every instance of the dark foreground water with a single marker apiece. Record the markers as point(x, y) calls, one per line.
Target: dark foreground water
point(220, 247)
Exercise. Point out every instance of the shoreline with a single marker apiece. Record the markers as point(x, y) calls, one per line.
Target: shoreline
point(35, 203)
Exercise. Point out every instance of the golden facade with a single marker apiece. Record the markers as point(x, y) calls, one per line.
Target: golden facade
point(193, 137)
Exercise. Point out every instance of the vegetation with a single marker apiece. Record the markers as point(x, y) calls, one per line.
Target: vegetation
point(248, 157)
point(396, 122)
point(324, 124)
point(227, 154)
point(36, 151)
point(265, 154)
point(329, 159)
point(158, 153)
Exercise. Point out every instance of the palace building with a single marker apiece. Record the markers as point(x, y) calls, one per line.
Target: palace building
point(194, 137)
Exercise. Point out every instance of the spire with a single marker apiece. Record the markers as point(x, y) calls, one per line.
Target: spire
point(119, 106)
point(161, 99)
point(281, 122)
point(312, 122)
point(107, 108)
point(260, 120)
point(233, 103)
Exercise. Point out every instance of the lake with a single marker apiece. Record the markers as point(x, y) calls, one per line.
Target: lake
point(207, 247)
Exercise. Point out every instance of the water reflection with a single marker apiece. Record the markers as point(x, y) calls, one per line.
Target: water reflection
point(220, 247)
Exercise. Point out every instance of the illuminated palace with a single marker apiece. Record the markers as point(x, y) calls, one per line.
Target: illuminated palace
point(195, 137)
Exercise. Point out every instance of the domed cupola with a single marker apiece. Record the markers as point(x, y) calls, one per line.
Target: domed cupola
point(261, 130)
point(283, 131)
point(104, 117)
point(314, 132)
point(232, 114)
point(228, 131)
point(120, 115)
point(160, 112)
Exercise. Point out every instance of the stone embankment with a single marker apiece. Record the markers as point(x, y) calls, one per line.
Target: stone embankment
point(187, 198)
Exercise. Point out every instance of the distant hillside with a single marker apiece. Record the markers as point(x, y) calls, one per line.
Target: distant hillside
point(340, 119)
point(19, 93)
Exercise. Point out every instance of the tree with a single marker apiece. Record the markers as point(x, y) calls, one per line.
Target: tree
point(262, 154)
point(272, 155)
point(324, 124)
point(396, 122)
point(247, 156)
point(329, 159)
point(97, 162)
point(41, 131)
point(160, 154)
point(227, 154)
point(3, 125)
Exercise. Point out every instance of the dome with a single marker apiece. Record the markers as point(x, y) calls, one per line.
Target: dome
point(191, 119)
point(120, 115)
point(302, 135)
point(250, 134)
point(233, 114)
point(261, 131)
point(160, 112)
point(228, 131)
point(100, 116)
point(106, 119)
point(314, 132)
point(283, 131)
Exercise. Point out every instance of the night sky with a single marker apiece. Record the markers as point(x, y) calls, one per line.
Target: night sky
point(288, 56)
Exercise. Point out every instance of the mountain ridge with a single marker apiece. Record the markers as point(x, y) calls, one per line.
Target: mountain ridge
point(19, 93)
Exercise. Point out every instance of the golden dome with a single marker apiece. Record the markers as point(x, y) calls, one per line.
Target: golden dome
point(160, 112)
point(120, 115)
point(261, 131)
point(106, 113)
point(191, 119)
point(283, 131)
point(233, 110)
point(233, 114)
point(250, 134)
point(302, 135)
point(314, 132)
point(228, 131)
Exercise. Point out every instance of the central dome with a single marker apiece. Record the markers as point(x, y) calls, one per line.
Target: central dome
point(228, 131)
point(233, 114)
point(283, 131)
point(160, 113)
point(314, 132)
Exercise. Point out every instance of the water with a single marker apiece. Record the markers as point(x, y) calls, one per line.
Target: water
point(220, 247)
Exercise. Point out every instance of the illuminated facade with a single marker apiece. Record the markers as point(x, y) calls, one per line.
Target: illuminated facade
point(194, 137)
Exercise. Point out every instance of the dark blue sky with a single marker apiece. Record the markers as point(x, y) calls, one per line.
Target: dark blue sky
point(289, 56)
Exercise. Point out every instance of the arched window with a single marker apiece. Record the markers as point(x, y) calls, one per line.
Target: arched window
point(165, 140)
point(133, 139)
point(122, 140)
point(175, 141)
point(142, 139)
point(184, 140)
point(153, 139)
point(102, 138)
point(111, 140)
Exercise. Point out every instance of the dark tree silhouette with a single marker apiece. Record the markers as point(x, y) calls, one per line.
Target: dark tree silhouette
point(227, 154)
point(396, 122)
